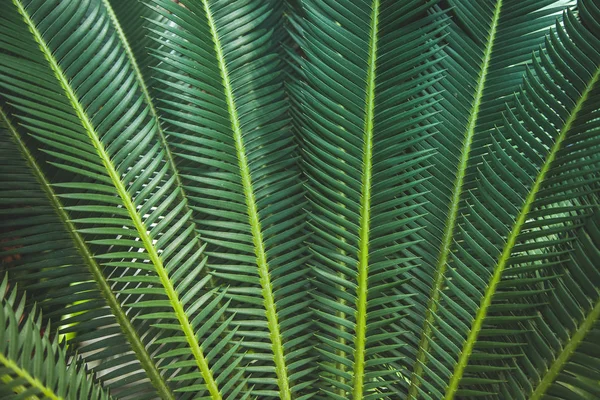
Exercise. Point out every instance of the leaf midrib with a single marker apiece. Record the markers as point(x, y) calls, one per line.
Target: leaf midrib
point(566, 353)
point(144, 87)
point(124, 323)
point(511, 242)
point(451, 221)
point(182, 196)
point(365, 214)
point(253, 216)
point(17, 389)
point(22, 373)
point(129, 206)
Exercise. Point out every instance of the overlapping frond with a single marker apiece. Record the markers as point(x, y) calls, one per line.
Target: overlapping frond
point(487, 47)
point(134, 19)
point(300, 199)
point(50, 258)
point(533, 188)
point(72, 87)
point(229, 127)
point(561, 360)
point(362, 112)
point(33, 364)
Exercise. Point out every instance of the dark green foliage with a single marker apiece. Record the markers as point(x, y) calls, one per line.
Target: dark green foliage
point(270, 199)
point(34, 363)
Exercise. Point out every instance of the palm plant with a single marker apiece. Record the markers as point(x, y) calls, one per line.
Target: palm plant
point(322, 199)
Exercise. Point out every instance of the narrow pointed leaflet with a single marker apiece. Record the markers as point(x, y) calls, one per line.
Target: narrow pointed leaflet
point(101, 149)
point(564, 338)
point(512, 241)
point(32, 363)
point(138, 70)
point(468, 112)
point(450, 224)
point(297, 200)
point(518, 217)
point(360, 133)
point(226, 113)
point(44, 186)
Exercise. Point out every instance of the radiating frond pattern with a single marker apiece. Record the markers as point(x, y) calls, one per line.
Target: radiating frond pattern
point(229, 128)
point(93, 121)
point(532, 190)
point(487, 47)
point(363, 113)
point(32, 363)
point(300, 199)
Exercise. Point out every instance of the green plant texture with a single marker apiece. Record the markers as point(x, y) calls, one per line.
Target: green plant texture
point(300, 199)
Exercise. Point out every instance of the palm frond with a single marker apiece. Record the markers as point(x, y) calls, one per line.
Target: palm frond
point(134, 18)
point(131, 20)
point(96, 127)
point(32, 363)
point(533, 188)
point(300, 199)
point(363, 113)
point(229, 127)
point(488, 45)
point(53, 260)
point(561, 359)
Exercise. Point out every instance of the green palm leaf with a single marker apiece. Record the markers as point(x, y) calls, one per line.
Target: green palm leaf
point(221, 66)
point(32, 363)
point(314, 199)
point(70, 280)
point(104, 137)
point(133, 19)
point(532, 189)
point(562, 357)
point(562, 360)
point(488, 45)
point(364, 113)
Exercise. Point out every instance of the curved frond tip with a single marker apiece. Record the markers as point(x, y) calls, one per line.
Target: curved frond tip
point(32, 362)
point(321, 199)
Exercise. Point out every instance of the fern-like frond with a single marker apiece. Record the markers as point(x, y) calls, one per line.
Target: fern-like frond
point(33, 364)
point(363, 112)
point(300, 199)
point(53, 260)
point(230, 131)
point(95, 126)
point(560, 361)
point(487, 46)
point(131, 20)
point(533, 188)
point(134, 18)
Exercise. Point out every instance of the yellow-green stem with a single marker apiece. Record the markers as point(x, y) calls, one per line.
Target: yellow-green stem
point(448, 238)
point(486, 301)
point(115, 306)
point(142, 230)
point(563, 358)
point(362, 295)
point(17, 389)
point(21, 373)
point(146, 92)
point(283, 383)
